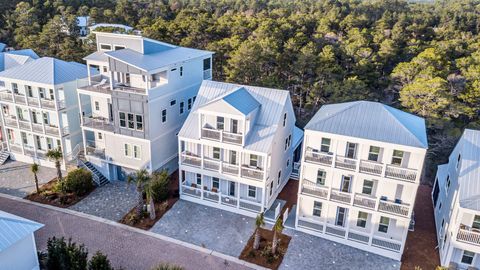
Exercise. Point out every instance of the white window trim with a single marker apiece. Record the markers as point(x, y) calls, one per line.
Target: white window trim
point(134, 121)
point(139, 151)
point(105, 50)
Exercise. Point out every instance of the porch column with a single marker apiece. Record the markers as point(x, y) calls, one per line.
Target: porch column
point(180, 181)
point(238, 194)
point(201, 187)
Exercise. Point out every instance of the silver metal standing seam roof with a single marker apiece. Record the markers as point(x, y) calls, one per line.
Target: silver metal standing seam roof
point(97, 56)
point(2, 46)
point(47, 70)
point(371, 120)
point(469, 170)
point(156, 60)
point(272, 103)
point(14, 229)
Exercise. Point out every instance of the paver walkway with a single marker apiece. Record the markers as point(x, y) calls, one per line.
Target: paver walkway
point(209, 227)
point(125, 247)
point(111, 201)
point(17, 180)
point(311, 252)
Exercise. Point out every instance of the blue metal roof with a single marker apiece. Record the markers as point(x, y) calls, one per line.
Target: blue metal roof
point(242, 101)
point(47, 70)
point(14, 229)
point(371, 120)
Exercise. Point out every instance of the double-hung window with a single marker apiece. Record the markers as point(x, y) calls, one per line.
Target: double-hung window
point(182, 107)
point(164, 116)
point(362, 219)
point(130, 120)
point(252, 191)
point(321, 176)
point(476, 222)
point(317, 209)
point(253, 160)
point(367, 187)
point(189, 104)
point(15, 88)
point(467, 257)
point(97, 106)
point(383, 225)
point(139, 122)
point(374, 153)
point(397, 157)
point(215, 182)
point(325, 145)
point(123, 119)
point(28, 88)
point(137, 153)
point(216, 153)
point(127, 150)
point(199, 179)
point(220, 123)
point(24, 137)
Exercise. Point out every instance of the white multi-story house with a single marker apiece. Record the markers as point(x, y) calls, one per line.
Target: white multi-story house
point(456, 201)
point(133, 110)
point(39, 109)
point(236, 147)
point(361, 166)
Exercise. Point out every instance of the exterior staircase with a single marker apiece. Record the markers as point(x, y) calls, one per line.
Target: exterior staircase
point(4, 153)
point(98, 177)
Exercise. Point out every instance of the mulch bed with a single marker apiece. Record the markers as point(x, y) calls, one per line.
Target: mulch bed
point(146, 223)
point(420, 245)
point(255, 256)
point(48, 196)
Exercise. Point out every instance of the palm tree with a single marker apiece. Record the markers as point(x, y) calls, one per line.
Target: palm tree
point(259, 222)
point(277, 229)
point(140, 178)
point(57, 156)
point(150, 192)
point(34, 169)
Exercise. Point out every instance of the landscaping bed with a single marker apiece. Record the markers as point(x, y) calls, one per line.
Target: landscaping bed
point(145, 222)
point(263, 255)
point(49, 194)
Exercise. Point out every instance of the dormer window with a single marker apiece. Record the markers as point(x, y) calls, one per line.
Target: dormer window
point(220, 123)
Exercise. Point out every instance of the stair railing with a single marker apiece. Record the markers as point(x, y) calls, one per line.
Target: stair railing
point(95, 177)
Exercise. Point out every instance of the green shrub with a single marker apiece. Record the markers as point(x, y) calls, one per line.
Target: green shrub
point(65, 255)
point(159, 186)
point(79, 181)
point(99, 262)
point(167, 266)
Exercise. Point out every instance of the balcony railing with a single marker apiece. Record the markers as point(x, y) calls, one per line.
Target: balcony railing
point(312, 188)
point(50, 104)
point(94, 150)
point(371, 167)
point(6, 96)
point(400, 209)
point(252, 173)
point(210, 164)
point(19, 98)
point(222, 136)
point(99, 83)
point(396, 172)
point(33, 101)
point(11, 121)
point(16, 148)
point(98, 123)
point(37, 127)
point(341, 196)
point(319, 157)
point(230, 168)
point(468, 235)
point(346, 163)
point(364, 201)
point(335, 231)
point(52, 130)
point(388, 244)
point(191, 159)
point(213, 196)
point(23, 124)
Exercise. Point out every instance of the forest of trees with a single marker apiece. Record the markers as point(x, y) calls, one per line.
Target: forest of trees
point(420, 57)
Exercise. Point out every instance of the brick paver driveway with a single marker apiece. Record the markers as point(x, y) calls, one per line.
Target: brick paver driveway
point(125, 248)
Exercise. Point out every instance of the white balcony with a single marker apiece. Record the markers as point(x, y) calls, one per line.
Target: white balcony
point(19, 98)
point(400, 173)
point(396, 208)
point(92, 149)
point(6, 96)
point(371, 167)
point(222, 136)
point(365, 201)
point(340, 196)
point(345, 163)
point(388, 244)
point(98, 123)
point(311, 188)
point(468, 235)
point(191, 159)
point(318, 157)
point(252, 173)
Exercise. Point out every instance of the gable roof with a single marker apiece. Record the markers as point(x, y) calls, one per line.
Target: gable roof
point(372, 121)
point(271, 103)
point(155, 60)
point(47, 70)
point(469, 170)
point(12, 59)
point(240, 100)
point(14, 229)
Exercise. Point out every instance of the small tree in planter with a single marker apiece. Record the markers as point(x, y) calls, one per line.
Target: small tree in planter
point(56, 155)
point(140, 178)
point(277, 229)
point(99, 262)
point(65, 255)
point(34, 169)
point(259, 222)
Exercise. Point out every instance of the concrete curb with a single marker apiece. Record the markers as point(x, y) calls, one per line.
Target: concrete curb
point(136, 230)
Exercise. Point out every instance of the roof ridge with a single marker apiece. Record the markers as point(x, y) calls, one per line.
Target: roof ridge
point(353, 104)
point(20, 220)
point(401, 124)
